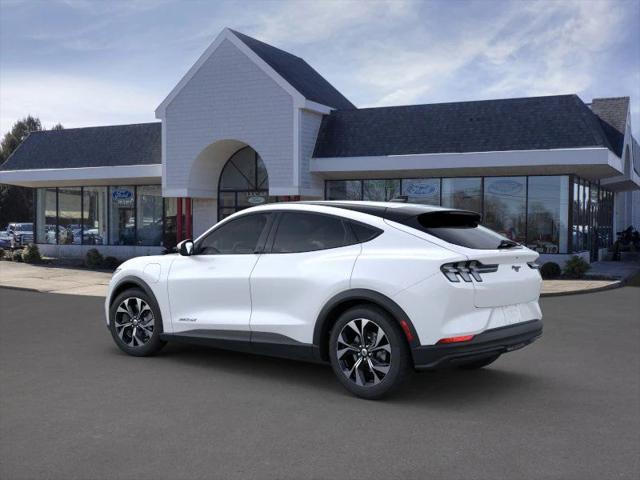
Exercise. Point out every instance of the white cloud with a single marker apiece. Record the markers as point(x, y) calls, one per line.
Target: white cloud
point(314, 21)
point(73, 101)
point(535, 48)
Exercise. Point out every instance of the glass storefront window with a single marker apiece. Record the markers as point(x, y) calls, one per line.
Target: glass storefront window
point(243, 183)
point(380, 190)
point(70, 216)
point(462, 193)
point(505, 206)
point(422, 190)
point(94, 215)
point(46, 216)
point(149, 215)
point(547, 214)
point(344, 190)
point(122, 221)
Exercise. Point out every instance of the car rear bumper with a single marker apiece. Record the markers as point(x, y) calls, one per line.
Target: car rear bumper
point(486, 344)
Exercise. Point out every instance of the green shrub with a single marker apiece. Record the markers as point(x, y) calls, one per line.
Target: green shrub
point(16, 256)
point(110, 263)
point(31, 254)
point(94, 258)
point(576, 267)
point(550, 270)
point(1, 253)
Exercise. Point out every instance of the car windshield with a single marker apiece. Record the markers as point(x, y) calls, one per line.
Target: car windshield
point(24, 227)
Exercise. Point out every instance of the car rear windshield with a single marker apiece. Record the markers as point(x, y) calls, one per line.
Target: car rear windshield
point(461, 228)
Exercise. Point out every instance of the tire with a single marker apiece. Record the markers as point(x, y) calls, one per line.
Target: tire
point(476, 364)
point(383, 367)
point(139, 337)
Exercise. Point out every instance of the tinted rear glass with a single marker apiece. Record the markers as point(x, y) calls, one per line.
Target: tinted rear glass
point(364, 233)
point(461, 228)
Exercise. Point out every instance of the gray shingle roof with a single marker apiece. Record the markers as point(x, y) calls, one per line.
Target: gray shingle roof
point(613, 116)
point(298, 73)
point(108, 146)
point(533, 123)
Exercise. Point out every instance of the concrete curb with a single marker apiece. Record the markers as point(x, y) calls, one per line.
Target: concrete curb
point(612, 286)
point(26, 289)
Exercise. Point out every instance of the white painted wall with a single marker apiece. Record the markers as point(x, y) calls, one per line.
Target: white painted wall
point(310, 184)
point(228, 98)
point(205, 214)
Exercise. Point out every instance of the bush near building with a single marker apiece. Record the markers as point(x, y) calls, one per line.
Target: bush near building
point(110, 263)
point(16, 256)
point(576, 267)
point(1, 253)
point(550, 270)
point(94, 258)
point(31, 254)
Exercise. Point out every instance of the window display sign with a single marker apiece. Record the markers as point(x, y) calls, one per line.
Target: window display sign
point(122, 197)
point(256, 199)
point(506, 187)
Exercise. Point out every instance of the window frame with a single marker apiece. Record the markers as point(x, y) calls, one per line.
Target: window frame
point(262, 238)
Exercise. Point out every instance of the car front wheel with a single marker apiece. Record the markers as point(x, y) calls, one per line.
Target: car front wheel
point(369, 353)
point(135, 323)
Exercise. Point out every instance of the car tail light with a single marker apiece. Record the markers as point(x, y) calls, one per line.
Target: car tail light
point(462, 338)
point(466, 270)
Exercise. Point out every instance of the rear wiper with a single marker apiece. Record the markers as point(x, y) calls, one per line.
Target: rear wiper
point(507, 244)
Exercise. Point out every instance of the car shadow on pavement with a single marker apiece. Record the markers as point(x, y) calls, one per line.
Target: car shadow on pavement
point(446, 389)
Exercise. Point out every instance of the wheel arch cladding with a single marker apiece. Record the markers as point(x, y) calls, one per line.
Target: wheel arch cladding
point(340, 303)
point(131, 282)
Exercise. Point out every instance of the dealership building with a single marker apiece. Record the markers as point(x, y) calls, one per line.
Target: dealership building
point(250, 123)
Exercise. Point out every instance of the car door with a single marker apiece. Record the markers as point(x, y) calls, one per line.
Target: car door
point(308, 259)
point(209, 290)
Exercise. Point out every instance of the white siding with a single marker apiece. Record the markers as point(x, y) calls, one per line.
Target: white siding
point(309, 126)
point(205, 215)
point(229, 97)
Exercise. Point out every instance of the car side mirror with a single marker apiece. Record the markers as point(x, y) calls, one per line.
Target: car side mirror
point(185, 247)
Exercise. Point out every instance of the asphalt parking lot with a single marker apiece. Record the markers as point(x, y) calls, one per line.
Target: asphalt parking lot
point(72, 406)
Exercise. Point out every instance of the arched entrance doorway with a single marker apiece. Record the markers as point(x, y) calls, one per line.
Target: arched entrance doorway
point(244, 183)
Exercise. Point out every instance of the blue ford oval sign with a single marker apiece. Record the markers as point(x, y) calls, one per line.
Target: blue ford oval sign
point(121, 194)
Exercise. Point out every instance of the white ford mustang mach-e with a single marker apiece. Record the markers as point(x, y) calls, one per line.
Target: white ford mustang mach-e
point(375, 289)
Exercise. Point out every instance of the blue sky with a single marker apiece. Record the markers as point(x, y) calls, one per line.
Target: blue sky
point(84, 63)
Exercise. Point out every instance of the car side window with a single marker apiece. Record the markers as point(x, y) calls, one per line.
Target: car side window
point(306, 232)
point(363, 232)
point(237, 237)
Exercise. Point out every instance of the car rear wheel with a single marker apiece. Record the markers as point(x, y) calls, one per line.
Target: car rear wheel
point(475, 364)
point(369, 353)
point(135, 323)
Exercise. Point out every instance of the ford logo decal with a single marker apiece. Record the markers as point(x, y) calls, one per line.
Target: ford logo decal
point(256, 200)
point(505, 187)
point(121, 194)
point(421, 189)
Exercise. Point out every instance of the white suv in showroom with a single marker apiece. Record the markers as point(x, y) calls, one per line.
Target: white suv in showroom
point(377, 290)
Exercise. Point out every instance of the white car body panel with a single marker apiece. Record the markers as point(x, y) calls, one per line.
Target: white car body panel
point(211, 292)
point(288, 290)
